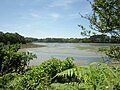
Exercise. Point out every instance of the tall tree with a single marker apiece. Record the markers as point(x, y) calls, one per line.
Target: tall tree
point(105, 17)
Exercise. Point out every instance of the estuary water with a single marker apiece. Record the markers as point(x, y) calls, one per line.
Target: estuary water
point(61, 51)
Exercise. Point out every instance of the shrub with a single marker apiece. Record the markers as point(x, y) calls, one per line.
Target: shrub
point(113, 53)
point(40, 77)
point(97, 76)
point(5, 79)
point(13, 61)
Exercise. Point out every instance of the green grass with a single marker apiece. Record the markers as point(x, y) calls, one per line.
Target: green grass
point(65, 86)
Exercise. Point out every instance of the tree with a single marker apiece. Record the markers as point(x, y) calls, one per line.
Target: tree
point(11, 38)
point(115, 39)
point(99, 38)
point(2, 37)
point(105, 17)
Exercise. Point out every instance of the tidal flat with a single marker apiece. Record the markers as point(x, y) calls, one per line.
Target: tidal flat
point(83, 53)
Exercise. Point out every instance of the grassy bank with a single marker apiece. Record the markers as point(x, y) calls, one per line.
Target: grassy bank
point(31, 45)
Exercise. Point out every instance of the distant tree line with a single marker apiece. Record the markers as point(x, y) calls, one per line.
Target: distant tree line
point(92, 39)
point(11, 38)
point(31, 39)
point(59, 40)
point(104, 39)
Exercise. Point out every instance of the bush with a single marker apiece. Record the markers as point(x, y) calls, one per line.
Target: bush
point(5, 79)
point(113, 53)
point(40, 77)
point(13, 61)
point(97, 76)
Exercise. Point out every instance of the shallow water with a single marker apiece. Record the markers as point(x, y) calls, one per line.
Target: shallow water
point(64, 50)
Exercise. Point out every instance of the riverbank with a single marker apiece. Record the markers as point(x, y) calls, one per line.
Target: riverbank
point(31, 45)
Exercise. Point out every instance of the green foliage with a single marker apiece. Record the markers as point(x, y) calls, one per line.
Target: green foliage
point(61, 40)
point(49, 74)
point(5, 79)
point(102, 38)
point(97, 76)
point(40, 77)
point(108, 12)
point(66, 86)
point(113, 52)
point(11, 38)
point(105, 17)
point(30, 39)
point(115, 39)
point(13, 61)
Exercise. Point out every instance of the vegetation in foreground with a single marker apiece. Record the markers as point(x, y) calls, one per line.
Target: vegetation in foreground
point(13, 61)
point(55, 74)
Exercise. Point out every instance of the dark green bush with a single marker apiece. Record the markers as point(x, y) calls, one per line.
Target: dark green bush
point(41, 76)
point(13, 61)
point(5, 79)
point(97, 76)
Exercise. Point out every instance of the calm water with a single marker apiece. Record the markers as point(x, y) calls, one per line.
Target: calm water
point(64, 50)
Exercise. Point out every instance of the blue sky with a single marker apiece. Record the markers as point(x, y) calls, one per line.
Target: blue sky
point(43, 18)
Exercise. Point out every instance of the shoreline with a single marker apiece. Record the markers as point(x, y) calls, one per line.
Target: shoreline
point(31, 45)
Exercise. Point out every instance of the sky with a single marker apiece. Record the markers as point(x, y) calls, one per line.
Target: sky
point(44, 18)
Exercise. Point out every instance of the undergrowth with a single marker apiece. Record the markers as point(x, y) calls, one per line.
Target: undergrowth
point(56, 74)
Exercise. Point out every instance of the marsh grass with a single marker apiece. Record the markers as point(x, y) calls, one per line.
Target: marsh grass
point(31, 45)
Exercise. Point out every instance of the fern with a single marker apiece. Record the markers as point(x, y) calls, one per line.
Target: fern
point(98, 76)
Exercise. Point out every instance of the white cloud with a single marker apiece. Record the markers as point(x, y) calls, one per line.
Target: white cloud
point(30, 16)
point(55, 15)
point(62, 3)
point(35, 15)
point(37, 0)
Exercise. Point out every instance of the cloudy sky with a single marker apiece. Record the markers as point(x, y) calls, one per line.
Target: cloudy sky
point(43, 18)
